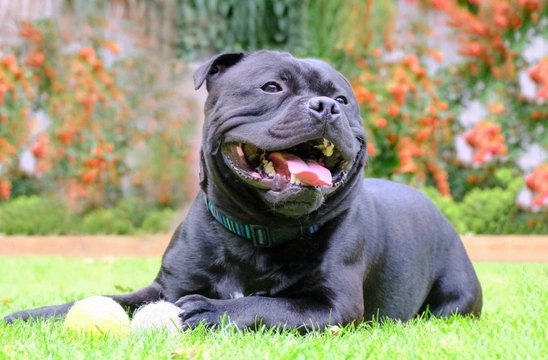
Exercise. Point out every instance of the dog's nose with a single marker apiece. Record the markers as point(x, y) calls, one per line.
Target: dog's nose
point(324, 108)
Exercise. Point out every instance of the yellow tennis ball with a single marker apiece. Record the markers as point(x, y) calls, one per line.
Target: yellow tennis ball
point(97, 315)
point(157, 316)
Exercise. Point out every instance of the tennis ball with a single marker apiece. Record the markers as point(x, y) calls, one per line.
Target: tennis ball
point(97, 315)
point(156, 316)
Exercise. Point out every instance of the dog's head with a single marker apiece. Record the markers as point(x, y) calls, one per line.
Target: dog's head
point(282, 136)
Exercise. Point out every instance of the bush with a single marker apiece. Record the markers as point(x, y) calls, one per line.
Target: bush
point(491, 210)
point(34, 215)
point(158, 221)
point(106, 221)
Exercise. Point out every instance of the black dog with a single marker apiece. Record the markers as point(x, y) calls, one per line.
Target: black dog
point(286, 232)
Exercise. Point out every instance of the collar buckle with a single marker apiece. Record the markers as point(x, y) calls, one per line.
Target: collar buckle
point(260, 236)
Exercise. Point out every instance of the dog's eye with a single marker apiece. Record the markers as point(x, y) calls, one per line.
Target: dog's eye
point(271, 87)
point(214, 70)
point(341, 99)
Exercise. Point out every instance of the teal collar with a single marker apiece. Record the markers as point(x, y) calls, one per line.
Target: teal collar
point(262, 236)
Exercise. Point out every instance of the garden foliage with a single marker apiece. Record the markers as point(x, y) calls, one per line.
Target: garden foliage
point(100, 127)
point(42, 215)
point(108, 119)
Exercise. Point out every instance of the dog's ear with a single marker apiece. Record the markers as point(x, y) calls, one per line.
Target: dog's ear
point(215, 67)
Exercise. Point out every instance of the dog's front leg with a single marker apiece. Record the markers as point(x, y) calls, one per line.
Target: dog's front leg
point(254, 311)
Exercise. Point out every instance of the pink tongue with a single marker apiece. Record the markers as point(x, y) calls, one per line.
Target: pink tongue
point(308, 173)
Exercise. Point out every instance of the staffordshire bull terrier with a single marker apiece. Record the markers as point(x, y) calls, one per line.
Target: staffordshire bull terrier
point(285, 231)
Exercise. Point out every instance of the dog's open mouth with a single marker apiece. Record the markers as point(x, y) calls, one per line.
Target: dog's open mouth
point(313, 163)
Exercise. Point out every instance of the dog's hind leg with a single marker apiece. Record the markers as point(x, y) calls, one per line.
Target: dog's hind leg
point(130, 302)
point(455, 294)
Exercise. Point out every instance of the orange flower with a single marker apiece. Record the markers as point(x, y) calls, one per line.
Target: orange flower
point(442, 182)
point(410, 60)
point(65, 137)
point(3, 89)
point(9, 60)
point(443, 106)
point(497, 108)
point(542, 93)
point(537, 182)
point(423, 134)
point(89, 176)
point(438, 4)
point(98, 152)
point(109, 148)
point(472, 49)
point(407, 149)
point(30, 32)
point(500, 21)
point(36, 59)
point(363, 95)
point(349, 47)
point(399, 91)
point(40, 149)
point(487, 138)
point(113, 47)
point(381, 123)
point(371, 150)
point(5, 189)
point(529, 5)
point(93, 163)
point(436, 55)
point(87, 53)
point(539, 74)
point(393, 110)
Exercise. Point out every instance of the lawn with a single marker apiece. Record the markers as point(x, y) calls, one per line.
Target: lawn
point(514, 322)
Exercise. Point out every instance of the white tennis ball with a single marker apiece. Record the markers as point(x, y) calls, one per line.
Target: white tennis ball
point(156, 316)
point(98, 315)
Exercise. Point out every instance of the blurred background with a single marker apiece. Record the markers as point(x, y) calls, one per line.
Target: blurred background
point(100, 123)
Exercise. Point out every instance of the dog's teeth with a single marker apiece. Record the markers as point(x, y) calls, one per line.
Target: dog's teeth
point(269, 167)
point(327, 147)
point(293, 179)
point(298, 182)
point(240, 151)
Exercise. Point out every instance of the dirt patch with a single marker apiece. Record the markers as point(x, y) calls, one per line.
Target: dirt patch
point(480, 248)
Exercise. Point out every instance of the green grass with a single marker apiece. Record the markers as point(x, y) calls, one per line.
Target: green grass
point(514, 322)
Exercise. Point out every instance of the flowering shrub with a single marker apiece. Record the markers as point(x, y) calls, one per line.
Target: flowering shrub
point(411, 111)
point(539, 74)
point(101, 118)
point(409, 123)
point(16, 95)
point(537, 181)
point(487, 139)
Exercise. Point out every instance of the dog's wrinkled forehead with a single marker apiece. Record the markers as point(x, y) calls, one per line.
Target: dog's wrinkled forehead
point(297, 74)
point(239, 70)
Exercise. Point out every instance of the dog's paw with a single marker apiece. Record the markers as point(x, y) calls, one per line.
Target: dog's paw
point(196, 309)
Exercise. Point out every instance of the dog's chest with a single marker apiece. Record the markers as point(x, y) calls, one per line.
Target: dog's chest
point(264, 276)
